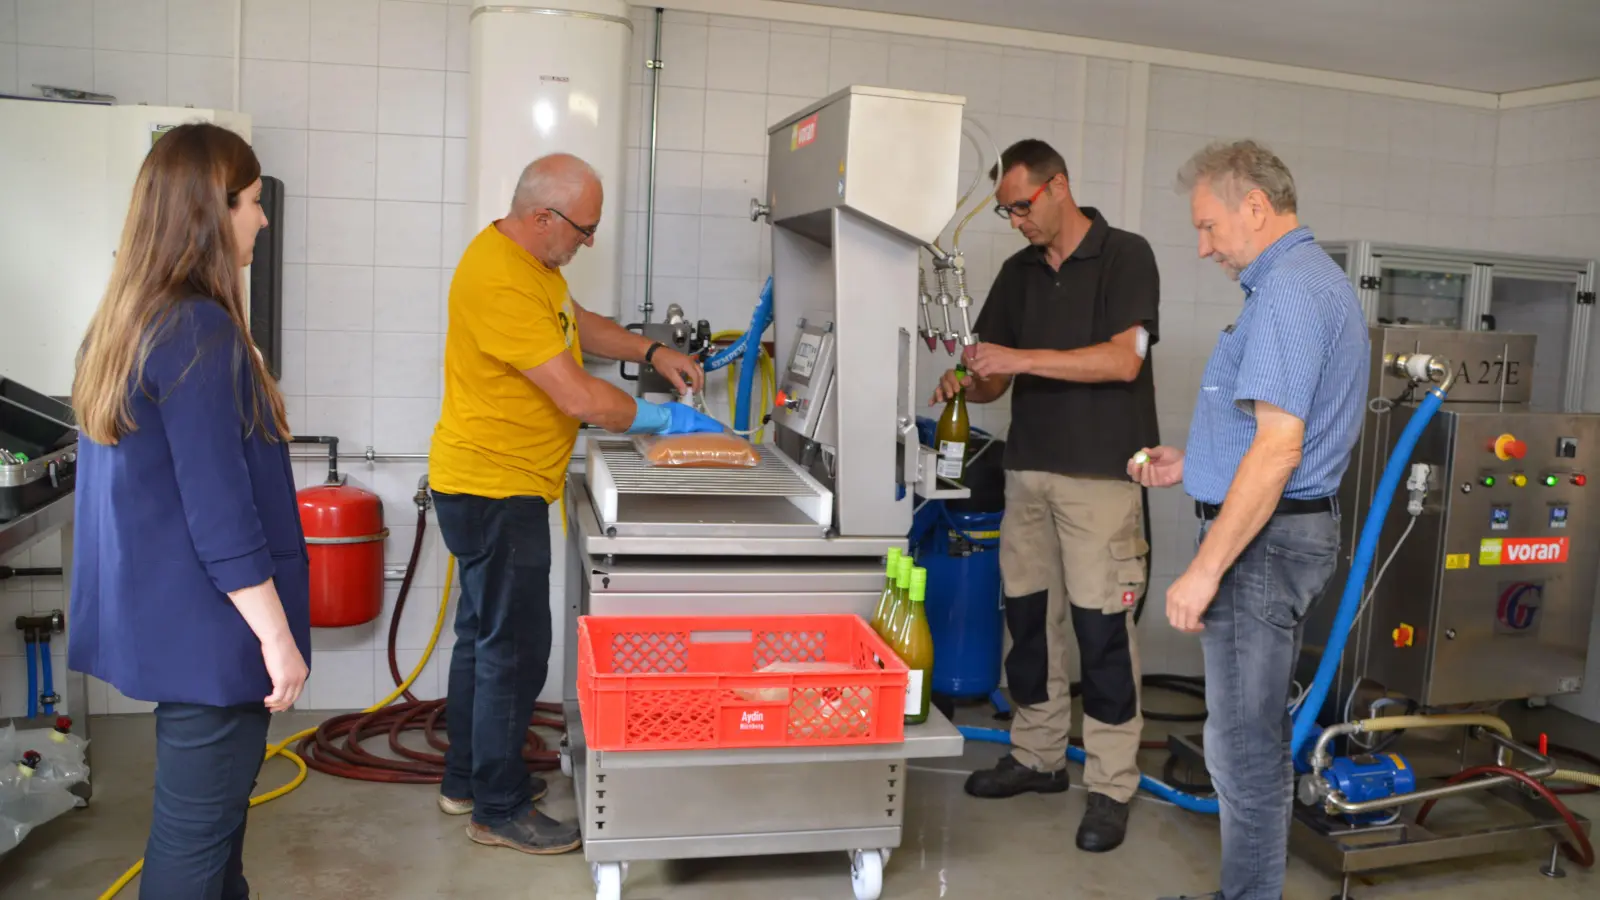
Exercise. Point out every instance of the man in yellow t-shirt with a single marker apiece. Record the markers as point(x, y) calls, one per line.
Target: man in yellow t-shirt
point(515, 392)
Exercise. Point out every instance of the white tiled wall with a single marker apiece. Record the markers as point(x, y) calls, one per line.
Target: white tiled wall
point(359, 106)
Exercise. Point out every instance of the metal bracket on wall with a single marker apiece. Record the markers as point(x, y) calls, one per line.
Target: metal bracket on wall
point(1370, 282)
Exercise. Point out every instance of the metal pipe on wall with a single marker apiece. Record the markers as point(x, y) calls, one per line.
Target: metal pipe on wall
point(368, 456)
point(647, 306)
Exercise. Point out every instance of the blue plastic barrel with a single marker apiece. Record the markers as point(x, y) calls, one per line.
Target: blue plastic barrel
point(961, 551)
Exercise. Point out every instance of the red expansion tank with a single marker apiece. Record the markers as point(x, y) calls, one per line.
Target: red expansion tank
point(344, 536)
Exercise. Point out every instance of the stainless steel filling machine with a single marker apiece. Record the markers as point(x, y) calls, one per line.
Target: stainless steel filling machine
point(858, 183)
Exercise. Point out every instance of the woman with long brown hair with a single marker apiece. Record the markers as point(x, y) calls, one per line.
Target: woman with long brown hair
point(190, 584)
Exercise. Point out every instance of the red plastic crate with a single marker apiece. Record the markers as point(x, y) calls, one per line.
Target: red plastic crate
point(690, 682)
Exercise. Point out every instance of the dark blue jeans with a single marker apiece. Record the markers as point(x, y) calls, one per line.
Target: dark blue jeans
point(1251, 640)
point(498, 666)
point(207, 759)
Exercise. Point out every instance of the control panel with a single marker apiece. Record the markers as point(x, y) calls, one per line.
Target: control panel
point(804, 385)
point(1507, 465)
point(1506, 612)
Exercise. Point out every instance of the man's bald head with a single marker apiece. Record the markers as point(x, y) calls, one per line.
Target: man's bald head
point(555, 208)
point(555, 181)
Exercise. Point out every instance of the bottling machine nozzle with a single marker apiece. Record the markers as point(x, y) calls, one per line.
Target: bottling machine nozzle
point(924, 303)
point(945, 302)
point(964, 306)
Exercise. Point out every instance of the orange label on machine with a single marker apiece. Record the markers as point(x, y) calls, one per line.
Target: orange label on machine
point(1521, 551)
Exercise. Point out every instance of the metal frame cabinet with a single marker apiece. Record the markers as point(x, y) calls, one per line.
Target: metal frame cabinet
point(1372, 264)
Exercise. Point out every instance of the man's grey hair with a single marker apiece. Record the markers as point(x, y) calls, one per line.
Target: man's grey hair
point(553, 181)
point(1234, 169)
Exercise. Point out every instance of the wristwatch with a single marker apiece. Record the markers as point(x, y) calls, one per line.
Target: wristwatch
point(652, 351)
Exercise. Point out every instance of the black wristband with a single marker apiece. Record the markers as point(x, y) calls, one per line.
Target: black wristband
point(652, 351)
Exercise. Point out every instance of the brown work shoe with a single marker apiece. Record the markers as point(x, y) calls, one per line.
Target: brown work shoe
point(532, 832)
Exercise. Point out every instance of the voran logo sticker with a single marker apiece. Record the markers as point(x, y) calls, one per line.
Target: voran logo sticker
point(1521, 551)
point(561, 78)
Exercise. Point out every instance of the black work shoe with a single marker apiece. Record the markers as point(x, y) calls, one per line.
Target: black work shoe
point(532, 832)
point(1105, 824)
point(1009, 778)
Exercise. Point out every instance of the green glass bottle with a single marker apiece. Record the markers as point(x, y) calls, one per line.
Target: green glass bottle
point(914, 646)
point(880, 618)
point(953, 432)
point(902, 595)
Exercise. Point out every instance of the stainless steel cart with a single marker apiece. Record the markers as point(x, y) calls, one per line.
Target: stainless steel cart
point(736, 557)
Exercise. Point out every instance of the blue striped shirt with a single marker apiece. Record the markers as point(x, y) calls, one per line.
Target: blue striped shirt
point(1300, 344)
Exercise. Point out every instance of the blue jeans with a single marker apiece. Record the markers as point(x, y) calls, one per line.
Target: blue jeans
point(502, 651)
point(207, 759)
point(1251, 641)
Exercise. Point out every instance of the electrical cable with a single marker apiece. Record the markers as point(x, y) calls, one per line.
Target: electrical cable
point(1582, 854)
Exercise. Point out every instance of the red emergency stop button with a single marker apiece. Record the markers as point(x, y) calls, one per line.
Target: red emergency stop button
point(1506, 446)
point(1580, 480)
point(1404, 635)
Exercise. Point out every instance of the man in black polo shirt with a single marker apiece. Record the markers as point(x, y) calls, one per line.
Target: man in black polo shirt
point(1070, 320)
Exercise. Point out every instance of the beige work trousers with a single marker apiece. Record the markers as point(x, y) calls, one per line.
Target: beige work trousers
point(1072, 559)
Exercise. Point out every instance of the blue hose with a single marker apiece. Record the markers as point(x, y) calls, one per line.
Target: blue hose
point(1159, 788)
point(752, 357)
point(727, 355)
point(49, 677)
point(1305, 721)
point(1349, 605)
point(33, 680)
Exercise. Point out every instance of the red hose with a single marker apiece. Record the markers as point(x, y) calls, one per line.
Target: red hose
point(1583, 855)
point(336, 746)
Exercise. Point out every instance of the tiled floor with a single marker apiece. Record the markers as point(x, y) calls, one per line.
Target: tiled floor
point(346, 840)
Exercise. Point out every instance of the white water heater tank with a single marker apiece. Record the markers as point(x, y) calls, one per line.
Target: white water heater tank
point(549, 77)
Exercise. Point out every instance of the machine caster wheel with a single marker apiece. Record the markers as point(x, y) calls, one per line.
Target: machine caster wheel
point(566, 763)
point(866, 874)
point(608, 878)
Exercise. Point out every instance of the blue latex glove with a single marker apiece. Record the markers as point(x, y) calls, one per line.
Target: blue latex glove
point(671, 418)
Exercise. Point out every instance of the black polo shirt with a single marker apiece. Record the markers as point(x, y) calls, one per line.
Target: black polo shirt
point(1108, 285)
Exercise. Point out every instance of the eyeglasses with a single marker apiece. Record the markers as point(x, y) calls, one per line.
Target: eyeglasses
point(1021, 208)
point(586, 232)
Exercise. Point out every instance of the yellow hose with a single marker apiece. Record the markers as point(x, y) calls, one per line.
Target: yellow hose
point(955, 239)
point(1396, 723)
point(1493, 723)
point(282, 747)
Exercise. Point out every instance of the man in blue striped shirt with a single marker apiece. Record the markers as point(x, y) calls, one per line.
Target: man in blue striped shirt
point(1278, 413)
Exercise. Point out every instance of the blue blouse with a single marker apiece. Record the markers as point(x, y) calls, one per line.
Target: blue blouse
point(188, 506)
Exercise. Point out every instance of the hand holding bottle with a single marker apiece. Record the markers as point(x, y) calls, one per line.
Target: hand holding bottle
point(950, 384)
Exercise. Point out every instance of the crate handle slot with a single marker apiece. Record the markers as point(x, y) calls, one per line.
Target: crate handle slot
point(720, 637)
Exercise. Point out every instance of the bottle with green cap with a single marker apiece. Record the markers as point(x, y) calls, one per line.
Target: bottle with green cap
point(902, 599)
point(891, 572)
point(914, 645)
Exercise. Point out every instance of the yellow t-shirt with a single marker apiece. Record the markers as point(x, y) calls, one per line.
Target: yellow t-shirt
point(499, 435)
